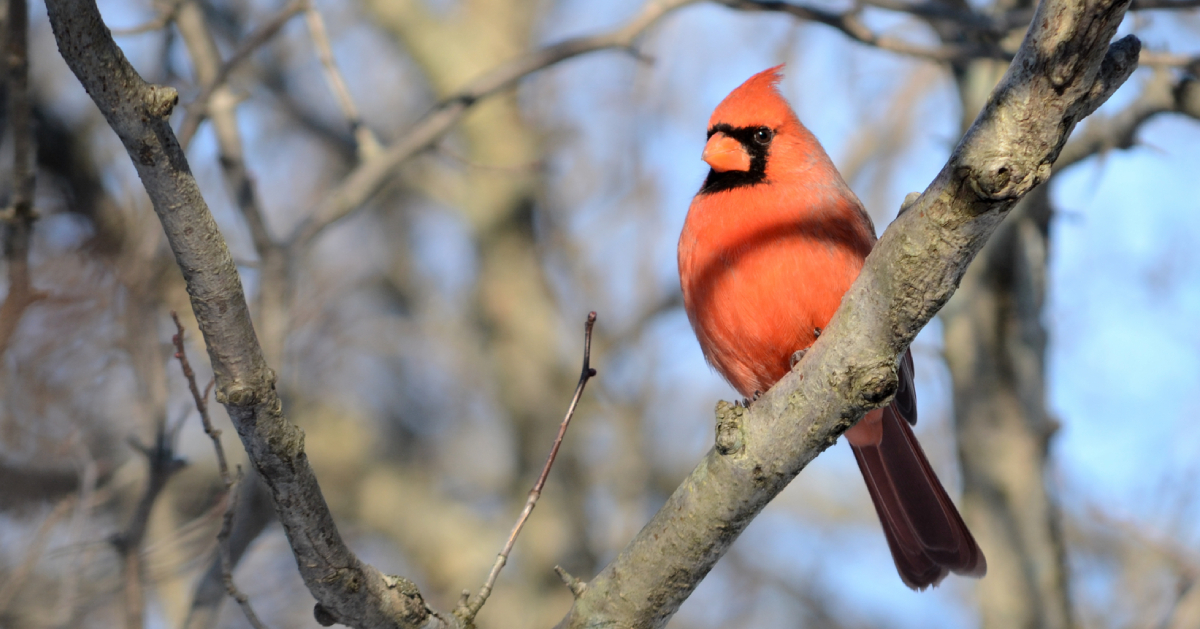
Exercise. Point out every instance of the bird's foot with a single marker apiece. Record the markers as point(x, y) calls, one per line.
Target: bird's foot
point(797, 356)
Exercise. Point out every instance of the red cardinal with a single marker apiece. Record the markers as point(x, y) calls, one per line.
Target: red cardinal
point(771, 242)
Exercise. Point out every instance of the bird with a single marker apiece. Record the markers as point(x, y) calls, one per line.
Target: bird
point(771, 243)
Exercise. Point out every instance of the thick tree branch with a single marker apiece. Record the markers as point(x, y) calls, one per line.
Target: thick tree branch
point(348, 590)
point(1062, 72)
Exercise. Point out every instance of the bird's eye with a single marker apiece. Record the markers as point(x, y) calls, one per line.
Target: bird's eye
point(763, 135)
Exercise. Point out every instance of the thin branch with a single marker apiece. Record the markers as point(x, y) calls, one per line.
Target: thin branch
point(851, 25)
point(1161, 94)
point(365, 180)
point(217, 580)
point(368, 144)
point(223, 468)
point(201, 401)
point(197, 110)
point(469, 607)
point(243, 601)
point(18, 219)
point(959, 14)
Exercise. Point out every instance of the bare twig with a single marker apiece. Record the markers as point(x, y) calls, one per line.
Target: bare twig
point(575, 585)
point(368, 144)
point(200, 400)
point(1162, 93)
point(252, 508)
point(851, 25)
point(226, 560)
point(959, 14)
point(197, 110)
point(469, 607)
point(18, 219)
point(367, 178)
point(227, 481)
point(252, 511)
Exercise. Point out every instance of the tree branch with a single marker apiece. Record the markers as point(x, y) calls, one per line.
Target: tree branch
point(365, 180)
point(1064, 70)
point(850, 25)
point(18, 219)
point(198, 108)
point(367, 144)
point(469, 606)
point(348, 590)
point(1161, 94)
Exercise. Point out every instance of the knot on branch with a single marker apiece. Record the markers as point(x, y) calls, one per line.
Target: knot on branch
point(1003, 180)
point(411, 606)
point(246, 393)
point(730, 433)
point(237, 394)
point(874, 383)
point(161, 100)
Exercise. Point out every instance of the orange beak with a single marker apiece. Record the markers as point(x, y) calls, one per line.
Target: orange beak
point(724, 153)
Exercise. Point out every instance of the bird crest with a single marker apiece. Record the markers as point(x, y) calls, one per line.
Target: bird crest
point(755, 102)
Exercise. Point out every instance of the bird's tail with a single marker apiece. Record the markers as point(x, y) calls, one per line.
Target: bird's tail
point(924, 530)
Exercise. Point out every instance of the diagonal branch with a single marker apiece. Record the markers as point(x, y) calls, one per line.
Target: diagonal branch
point(349, 591)
point(197, 110)
point(1064, 70)
point(1161, 94)
point(850, 24)
point(469, 606)
point(365, 180)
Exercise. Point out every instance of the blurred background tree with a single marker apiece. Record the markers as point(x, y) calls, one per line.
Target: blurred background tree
point(427, 339)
